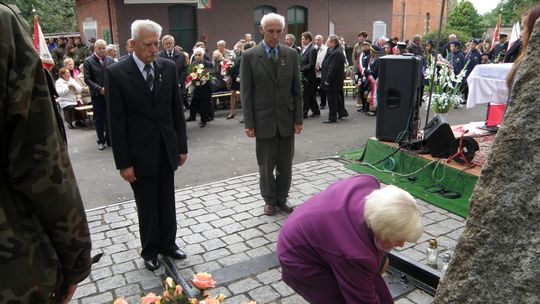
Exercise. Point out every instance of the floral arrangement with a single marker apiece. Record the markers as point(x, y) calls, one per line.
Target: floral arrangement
point(446, 86)
point(174, 294)
point(198, 76)
point(226, 68)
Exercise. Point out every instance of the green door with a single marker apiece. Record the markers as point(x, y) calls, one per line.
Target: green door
point(183, 25)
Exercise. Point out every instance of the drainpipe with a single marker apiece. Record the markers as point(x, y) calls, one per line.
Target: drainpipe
point(403, 21)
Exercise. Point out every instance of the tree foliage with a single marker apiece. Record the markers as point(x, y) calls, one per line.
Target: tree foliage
point(57, 16)
point(510, 10)
point(465, 18)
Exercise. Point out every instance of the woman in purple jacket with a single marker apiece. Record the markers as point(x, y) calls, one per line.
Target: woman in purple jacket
point(331, 248)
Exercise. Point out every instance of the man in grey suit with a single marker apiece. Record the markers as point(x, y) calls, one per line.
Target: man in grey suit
point(272, 103)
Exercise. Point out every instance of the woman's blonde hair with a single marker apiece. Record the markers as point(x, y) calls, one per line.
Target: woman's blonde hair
point(68, 60)
point(393, 215)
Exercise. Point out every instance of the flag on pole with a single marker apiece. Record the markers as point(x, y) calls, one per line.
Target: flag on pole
point(514, 36)
point(496, 33)
point(41, 46)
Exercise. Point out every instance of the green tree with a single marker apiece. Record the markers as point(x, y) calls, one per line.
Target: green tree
point(510, 10)
point(56, 16)
point(466, 19)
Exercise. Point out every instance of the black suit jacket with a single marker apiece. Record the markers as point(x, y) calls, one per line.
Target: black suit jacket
point(307, 63)
point(332, 71)
point(180, 62)
point(141, 119)
point(94, 73)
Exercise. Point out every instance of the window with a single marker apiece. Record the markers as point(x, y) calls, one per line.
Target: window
point(90, 29)
point(183, 25)
point(258, 13)
point(379, 30)
point(296, 21)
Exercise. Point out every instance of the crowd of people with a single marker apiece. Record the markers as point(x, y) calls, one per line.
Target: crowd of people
point(328, 252)
point(320, 59)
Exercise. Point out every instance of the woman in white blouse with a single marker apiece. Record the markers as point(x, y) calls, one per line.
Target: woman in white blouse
point(67, 89)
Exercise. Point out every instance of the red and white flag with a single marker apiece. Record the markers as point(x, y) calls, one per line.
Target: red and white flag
point(41, 46)
point(496, 34)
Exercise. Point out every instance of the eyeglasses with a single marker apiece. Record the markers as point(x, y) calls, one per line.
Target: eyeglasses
point(274, 31)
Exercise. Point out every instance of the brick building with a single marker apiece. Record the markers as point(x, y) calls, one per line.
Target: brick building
point(231, 19)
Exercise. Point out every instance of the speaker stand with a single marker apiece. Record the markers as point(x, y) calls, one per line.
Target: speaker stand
point(461, 153)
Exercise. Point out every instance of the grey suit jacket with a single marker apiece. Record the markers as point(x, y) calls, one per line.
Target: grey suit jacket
point(271, 103)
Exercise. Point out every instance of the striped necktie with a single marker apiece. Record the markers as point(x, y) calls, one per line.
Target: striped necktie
point(149, 76)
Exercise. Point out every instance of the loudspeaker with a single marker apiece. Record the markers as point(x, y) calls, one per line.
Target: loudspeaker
point(400, 81)
point(440, 138)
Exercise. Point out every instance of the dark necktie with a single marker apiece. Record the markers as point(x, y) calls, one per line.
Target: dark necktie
point(170, 54)
point(149, 76)
point(273, 55)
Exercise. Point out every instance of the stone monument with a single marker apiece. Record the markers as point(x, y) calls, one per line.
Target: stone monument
point(497, 259)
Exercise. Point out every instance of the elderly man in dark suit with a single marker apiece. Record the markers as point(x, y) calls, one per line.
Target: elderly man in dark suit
point(94, 76)
point(272, 103)
point(332, 77)
point(149, 137)
point(308, 60)
point(179, 59)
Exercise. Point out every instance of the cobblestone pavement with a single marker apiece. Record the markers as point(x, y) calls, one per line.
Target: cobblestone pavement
point(221, 225)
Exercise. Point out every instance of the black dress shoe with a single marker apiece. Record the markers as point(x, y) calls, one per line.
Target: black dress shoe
point(322, 107)
point(151, 264)
point(202, 124)
point(190, 119)
point(176, 254)
point(329, 121)
point(315, 115)
point(285, 207)
point(269, 210)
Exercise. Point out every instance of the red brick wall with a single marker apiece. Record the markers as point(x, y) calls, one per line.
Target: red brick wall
point(96, 10)
point(231, 19)
point(415, 17)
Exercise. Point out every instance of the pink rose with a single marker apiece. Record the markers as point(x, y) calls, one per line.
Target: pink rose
point(151, 298)
point(120, 301)
point(178, 291)
point(203, 280)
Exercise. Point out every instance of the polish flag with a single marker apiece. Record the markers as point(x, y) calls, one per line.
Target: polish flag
point(41, 46)
point(496, 34)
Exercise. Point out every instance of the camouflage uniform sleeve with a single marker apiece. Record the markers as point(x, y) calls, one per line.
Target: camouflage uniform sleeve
point(35, 162)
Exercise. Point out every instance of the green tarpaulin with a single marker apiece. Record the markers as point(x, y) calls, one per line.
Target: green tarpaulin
point(425, 184)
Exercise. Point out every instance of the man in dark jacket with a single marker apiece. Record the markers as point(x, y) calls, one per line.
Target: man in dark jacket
point(455, 57)
point(149, 138)
point(94, 76)
point(472, 58)
point(332, 77)
point(308, 59)
point(179, 60)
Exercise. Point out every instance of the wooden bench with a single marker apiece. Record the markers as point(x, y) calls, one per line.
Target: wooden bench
point(224, 94)
point(88, 114)
point(348, 85)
